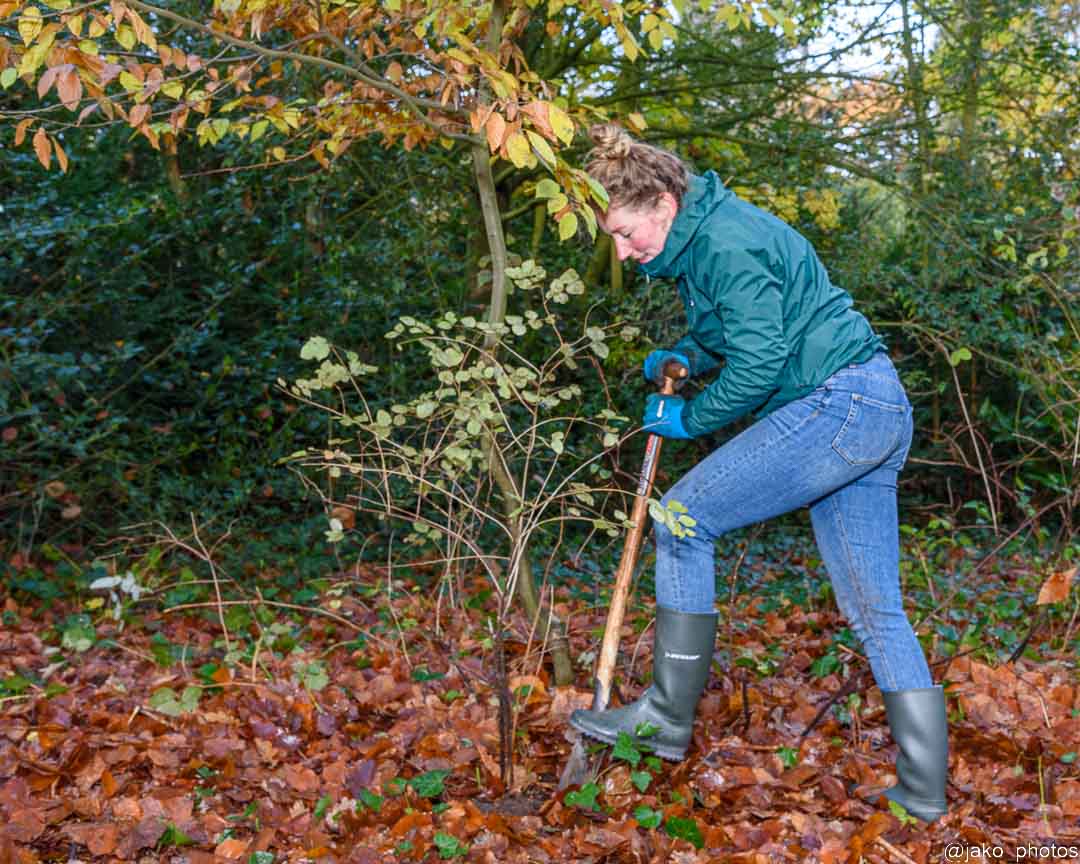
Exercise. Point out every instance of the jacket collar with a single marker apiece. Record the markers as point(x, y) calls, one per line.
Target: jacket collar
point(704, 193)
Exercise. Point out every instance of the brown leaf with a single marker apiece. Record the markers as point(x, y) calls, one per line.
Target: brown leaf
point(409, 822)
point(833, 789)
point(538, 113)
point(301, 778)
point(1056, 588)
point(345, 515)
point(360, 778)
point(61, 156)
point(537, 689)
point(42, 147)
point(92, 773)
point(45, 82)
point(137, 116)
point(98, 838)
point(24, 825)
point(127, 808)
point(232, 848)
point(69, 87)
point(21, 129)
point(178, 807)
point(9, 434)
point(495, 129)
point(875, 826)
point(264, 840)
point(146, 833)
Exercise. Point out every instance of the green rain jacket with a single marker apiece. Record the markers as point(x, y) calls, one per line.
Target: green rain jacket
point(757, 296)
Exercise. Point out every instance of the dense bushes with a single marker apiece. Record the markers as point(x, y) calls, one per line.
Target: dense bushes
point(145, 326)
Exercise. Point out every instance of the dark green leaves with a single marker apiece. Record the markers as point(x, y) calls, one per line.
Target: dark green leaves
point(685, 829)
point(585, 797)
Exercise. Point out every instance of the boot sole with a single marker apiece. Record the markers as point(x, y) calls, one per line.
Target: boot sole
point(668, 753)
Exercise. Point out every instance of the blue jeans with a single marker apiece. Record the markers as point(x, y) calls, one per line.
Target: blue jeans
point(837, 451)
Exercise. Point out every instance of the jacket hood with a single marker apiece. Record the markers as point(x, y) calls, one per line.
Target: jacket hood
point(705, 192)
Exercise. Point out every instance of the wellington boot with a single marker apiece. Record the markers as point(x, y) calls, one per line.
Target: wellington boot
point(920, 729)
point(682, 655)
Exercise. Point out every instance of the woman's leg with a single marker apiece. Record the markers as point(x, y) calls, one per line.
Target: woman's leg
point(833, 442)
point(856, 532)
point(838, 450)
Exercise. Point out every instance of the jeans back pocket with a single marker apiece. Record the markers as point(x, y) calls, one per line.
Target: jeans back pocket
point(871, 431)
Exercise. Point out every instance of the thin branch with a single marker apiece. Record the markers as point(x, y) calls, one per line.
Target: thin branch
point(415, 104)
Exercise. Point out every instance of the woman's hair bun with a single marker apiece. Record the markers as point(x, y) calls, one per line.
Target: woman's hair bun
point(632, 172)
point(610, 141)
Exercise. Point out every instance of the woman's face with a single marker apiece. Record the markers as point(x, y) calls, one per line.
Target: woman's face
point(640, 233)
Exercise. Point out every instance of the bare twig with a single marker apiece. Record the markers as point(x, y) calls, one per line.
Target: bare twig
point(390, 603)
point(209, 559)
point(506, 739)
point(733, 581)
point(892, 850)
point(853, 683)
point(278, 605)
point(975, 445)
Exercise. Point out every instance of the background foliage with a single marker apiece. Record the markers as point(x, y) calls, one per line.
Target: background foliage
point(153, 298)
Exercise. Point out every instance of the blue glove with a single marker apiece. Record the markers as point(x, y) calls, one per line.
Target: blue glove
point(663, 416)
point(654, 364)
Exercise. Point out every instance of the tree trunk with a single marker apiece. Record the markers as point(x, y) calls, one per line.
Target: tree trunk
point(616, 272)
point(172, 168)
point(598, 263)
point(918, 99)
point(539, 221)
point(489, 205)
point(974, 26)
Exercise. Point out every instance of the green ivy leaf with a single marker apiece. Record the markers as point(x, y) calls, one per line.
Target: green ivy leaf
point(79, 634)
point(626, 749)
point(648, 818)
point(901, 813)
point(173, 836)
point(585, 797)
point(788, 755)
point(370, 800)
point(646, 730)
point(313, 675)
point(685, 829)
point(449, 846)
point(168, 702)
point(430, 784)
point(641, 779)
point(826, 664)
point(14, 685)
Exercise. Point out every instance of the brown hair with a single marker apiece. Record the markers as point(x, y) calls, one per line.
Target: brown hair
point(633, 173)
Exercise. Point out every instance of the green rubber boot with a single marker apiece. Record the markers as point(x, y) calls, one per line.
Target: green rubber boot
point(682, 655)
point(920, 729)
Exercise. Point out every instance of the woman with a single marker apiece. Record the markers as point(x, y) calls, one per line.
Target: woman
point(832, 433)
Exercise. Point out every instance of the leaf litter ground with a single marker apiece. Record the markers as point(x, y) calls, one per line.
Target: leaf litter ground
point(373, 736)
